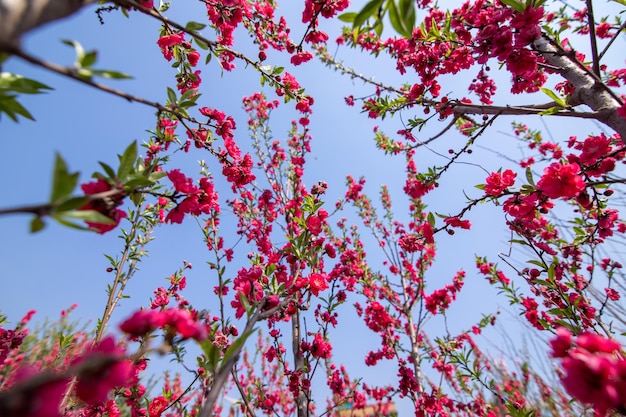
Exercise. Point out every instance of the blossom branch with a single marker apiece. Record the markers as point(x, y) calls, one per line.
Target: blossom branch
point(613, 38)
point(589, 89)
point(213, 46)
point(219, 380)
point(46, 209)
point(71, 72)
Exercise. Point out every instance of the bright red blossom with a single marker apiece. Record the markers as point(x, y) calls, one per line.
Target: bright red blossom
point(561, 181)
point(107, 369)
point(497, 182)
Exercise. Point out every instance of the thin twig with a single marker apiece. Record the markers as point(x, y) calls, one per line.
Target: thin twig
point(592, 38)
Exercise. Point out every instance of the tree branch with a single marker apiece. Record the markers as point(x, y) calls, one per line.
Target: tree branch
point(19, 16)
point(592, 38)
point(589, 89)
point(48, 208)
point(220, 378)
point(462, 109)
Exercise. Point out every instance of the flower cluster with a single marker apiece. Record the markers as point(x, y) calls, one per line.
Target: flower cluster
point(594, 370)
point(197, 200)
point(106, 204)
point(179, 321)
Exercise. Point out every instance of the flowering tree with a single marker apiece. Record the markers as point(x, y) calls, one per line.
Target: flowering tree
point(296, 263)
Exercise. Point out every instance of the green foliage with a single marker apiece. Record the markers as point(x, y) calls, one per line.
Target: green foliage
point(11, 85)
point(85, 60)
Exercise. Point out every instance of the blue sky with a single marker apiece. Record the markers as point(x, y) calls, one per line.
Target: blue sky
point(55, 268)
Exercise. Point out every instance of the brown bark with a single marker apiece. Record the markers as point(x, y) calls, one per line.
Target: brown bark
point(20, 16)
point(589, 90)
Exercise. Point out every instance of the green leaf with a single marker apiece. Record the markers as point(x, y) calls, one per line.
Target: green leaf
point(235, 347)
point(517, 6)
point(92, 216)
point(211, 352)
point(108, 170)
point(88, 59)
point(138, 182)
point(366, 12)
point(550, 111)
point(63, 182)
point(401, 19)
point(127, 162)
point(430, 218)
point(194, 26)
point(12, 108)
point(72, 204)
point(59, 218)
point(347, 17)
point(110, 74)
point(36, 225)
point(554, 96)
point(155, 176)
point(202, 45)
point(171, 95)
point(18, 84)
point(529, 176)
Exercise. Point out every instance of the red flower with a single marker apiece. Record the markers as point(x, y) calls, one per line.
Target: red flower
point(497, 182)
point(302, 57)
point(320, 347)
point(314, 224)
point(456, 222)
point(317, 283)
point(142, 322)
point(42, 401)
point(193, 58)
point(157, 406)
point(182, 184)
point(184, 323)
point(560, 180)
point(106, 206)
point(411, 243)
point(94, 384)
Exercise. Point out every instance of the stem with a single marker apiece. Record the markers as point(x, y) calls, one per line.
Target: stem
point(73, 74)
point(298, 362)
point(121, 278)
point(608, 45)
point(48, 208)
point(220, 378)
point(592, 38)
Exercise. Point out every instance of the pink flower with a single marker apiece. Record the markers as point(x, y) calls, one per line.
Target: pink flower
point(184, 324)
point(410, 243)
point(106, 206)
point(320, 348)
point(167, 41)
point(157, 406)
point(560, 180)
point(41, 401)
point(497, 182)
point(317, 283)
point(302, 57)
point(182, 184)
point(106, 370)
point(314, 224)
point(562, 343)
point(142, 322)
point(457, 222)
point(193, 58)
